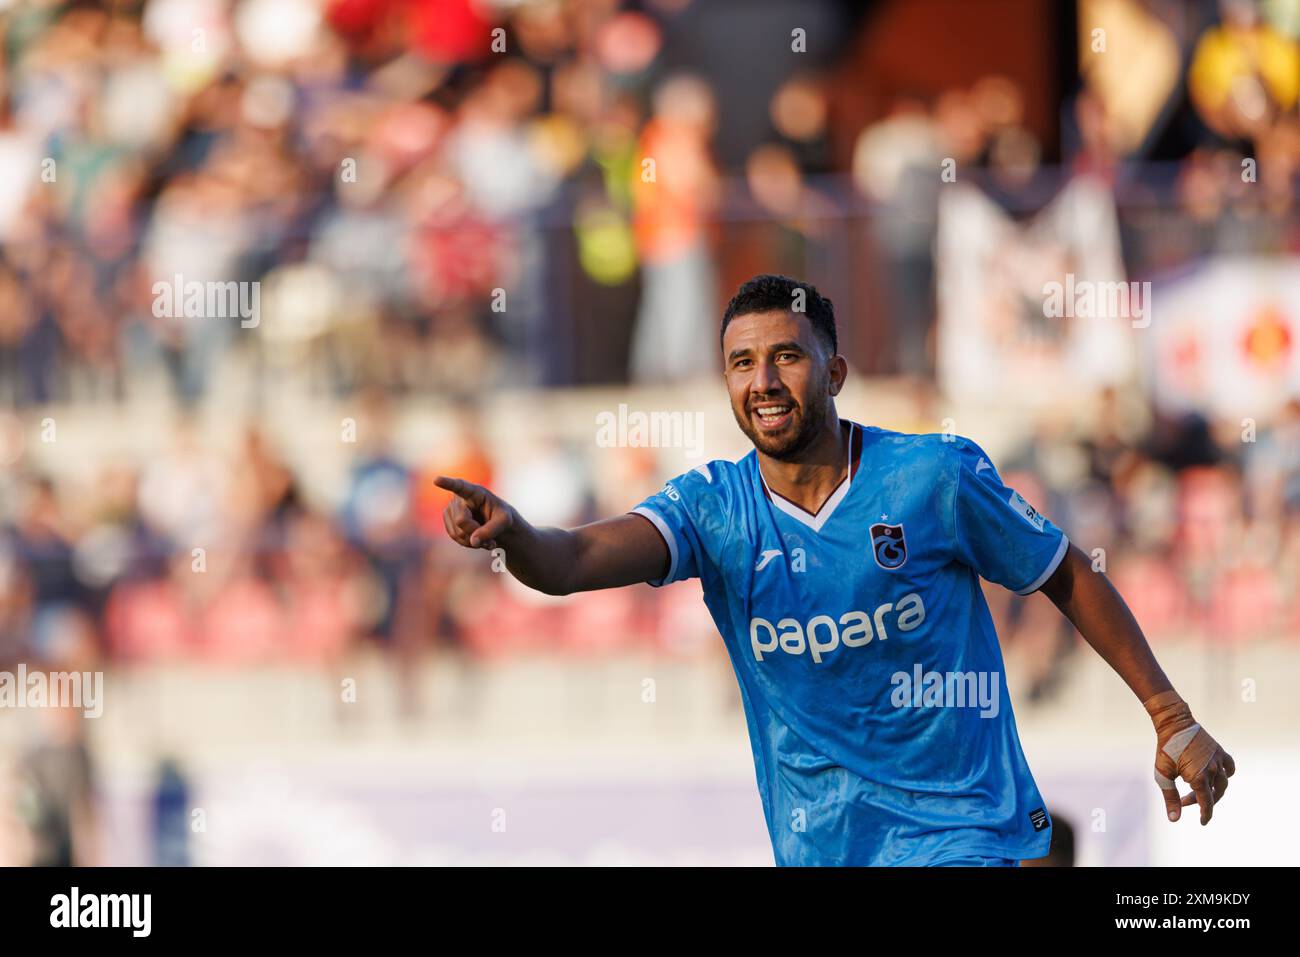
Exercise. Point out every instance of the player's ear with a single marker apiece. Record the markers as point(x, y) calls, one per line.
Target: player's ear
point(839, 371)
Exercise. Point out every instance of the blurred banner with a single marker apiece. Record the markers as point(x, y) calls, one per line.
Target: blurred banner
point(1224, 338)
point(1028, 311)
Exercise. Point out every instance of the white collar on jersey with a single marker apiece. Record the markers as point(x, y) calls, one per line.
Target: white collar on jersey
point(815, 522)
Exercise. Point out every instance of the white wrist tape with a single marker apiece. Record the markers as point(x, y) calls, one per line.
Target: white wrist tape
point(1178, 743)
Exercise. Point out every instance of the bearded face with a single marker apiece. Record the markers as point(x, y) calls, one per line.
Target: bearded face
point(780, 378)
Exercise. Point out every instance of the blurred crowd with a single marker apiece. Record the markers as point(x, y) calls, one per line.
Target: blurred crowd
point(436, 194)
point(107, 570)
point(1197, 523)
point(442, 198)
point(1198, 526)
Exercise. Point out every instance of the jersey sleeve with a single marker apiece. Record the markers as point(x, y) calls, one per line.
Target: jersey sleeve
point(686, 512)
point(997, 532)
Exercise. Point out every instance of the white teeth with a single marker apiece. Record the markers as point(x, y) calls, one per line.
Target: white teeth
point(773, 412)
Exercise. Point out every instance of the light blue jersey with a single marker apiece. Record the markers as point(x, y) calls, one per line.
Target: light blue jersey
point(870, 672)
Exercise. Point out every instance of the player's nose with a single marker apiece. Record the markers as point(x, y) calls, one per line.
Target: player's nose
point(765, 383)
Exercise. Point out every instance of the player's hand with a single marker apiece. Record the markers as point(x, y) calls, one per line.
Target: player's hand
point(1185, 750)
point(475, 517)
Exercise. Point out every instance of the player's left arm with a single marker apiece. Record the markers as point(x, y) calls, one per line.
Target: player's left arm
point(1183, 748)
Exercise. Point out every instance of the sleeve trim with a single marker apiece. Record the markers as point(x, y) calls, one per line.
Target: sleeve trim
point(669, 539)
point(1051, 567)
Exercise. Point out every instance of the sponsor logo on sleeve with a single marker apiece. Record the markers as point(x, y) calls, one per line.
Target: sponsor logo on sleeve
point(1026, 511)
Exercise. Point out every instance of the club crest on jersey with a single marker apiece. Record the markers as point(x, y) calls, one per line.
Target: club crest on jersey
point(888, 545)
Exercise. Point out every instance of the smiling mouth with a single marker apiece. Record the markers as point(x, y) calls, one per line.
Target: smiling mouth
point(773, 416)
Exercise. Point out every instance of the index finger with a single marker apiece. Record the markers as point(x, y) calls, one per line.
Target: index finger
point(466, 490)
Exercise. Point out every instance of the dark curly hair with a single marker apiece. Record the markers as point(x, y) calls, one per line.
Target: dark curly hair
point(768, 292)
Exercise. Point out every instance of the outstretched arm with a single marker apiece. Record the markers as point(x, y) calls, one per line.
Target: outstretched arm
point(1183, 748)
point(558, 561)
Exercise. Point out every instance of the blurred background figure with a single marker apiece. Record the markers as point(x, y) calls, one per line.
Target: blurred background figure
point(56, 799)
point(673, 192)
point(171, 817)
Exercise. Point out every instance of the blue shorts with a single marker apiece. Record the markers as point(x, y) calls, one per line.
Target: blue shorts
point(973, 861)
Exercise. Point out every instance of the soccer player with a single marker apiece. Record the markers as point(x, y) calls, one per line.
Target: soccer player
point(841, 563)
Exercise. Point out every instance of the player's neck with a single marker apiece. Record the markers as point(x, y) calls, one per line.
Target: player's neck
point(811, 480)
